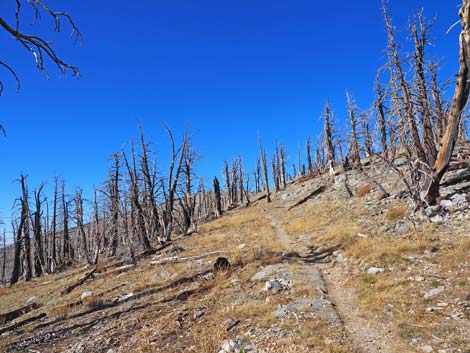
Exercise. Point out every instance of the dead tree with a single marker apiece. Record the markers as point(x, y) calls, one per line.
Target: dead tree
point(53, 258)
point(241, 186)
point(218, 200)
point(150, 184)
point(459, 102)
point(169, 190)
point(80, 224)
point(328, 137)
point(274, 171)
point(39, 263)
point(188, 202)
point(67, 248)
point(15, 274)
point(257, 176)
point(137, 213)
point(282, 166)
point(4, 256)
point(354, 152)
point(228, 185)
point(419, 31)
point(40, 48)
point(265, 170)
point(418, 150)
point(309, 156)
point(381, 118)
point(438, 106)
point(28, 267)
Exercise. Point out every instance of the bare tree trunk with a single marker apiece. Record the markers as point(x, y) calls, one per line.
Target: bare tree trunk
point(265, 171)
point(328, 137)
point(218, 202)
point(420, 43)
point(26, 230)
point(228, 185)
point(37, 233)
point(438, 109)
point(67, 250)
point(354, 140)
point(459, 102)
point(381, 120)
point(394, 58)
point(53, 261)
point(4, 262)
point(15, 275)
point(81, 226)
point(309, 156)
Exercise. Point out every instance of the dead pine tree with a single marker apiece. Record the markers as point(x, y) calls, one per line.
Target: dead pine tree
point(80, 224)
point(169, 190)
point(419, 30)
point(459, 102)
point(257, 176)
point(67, 248)
point(354, 152)
point(218, 200)
point(228, 185)
point(4, 257)
point(188, 202)
point(28, 266)
point(308, 147)
point(53, 251)
point(150, 185)
point(406, 96)
point(328, 138)
point(265, 170)
point(381, 118)
point(39, 264)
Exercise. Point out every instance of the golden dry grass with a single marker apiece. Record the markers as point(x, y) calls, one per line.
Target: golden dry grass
point(395, 213)
point(362, 190)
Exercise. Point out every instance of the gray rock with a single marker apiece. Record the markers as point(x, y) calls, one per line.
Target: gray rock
point(436, 219)
point(86, 294)
point(426, 348)
point(198, 313)
point(446, 204)
point(433, 292)
point(228, 346)
point(375, 270)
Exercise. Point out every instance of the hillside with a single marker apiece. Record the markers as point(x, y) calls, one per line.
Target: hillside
point(316, 270)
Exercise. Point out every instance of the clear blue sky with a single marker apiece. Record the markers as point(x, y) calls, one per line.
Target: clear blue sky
point(230, 69)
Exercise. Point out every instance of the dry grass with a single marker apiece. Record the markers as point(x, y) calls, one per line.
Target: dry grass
point(362, 190)
point(395, 213)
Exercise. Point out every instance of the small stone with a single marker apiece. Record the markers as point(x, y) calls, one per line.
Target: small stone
point(241, 246)
point(425, 348)
point(32, 300)
point(436, 219)
point(362, 235)
point(419, 278)
point(433, 292)
point(446, 203)
point(198, 313)
point(375, 270)
point(86, 294)
point(228, 346)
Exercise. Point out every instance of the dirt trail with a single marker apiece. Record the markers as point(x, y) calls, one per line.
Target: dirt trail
point(365, 335)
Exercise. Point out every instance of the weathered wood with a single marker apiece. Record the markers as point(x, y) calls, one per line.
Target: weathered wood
point(314, 193)
point(22, 323)
point(11, 315)
point(82, 280)
point(176, 259)
point(459, 102)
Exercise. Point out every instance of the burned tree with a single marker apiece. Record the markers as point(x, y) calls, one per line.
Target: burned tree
point(328, 137)
point(459, 102)
point(354, 138)
point(218, 200)
point(265, 170)
point(41, 49)
point(37, 234)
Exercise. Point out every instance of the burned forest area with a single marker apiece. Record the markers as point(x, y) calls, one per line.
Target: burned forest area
point(358, 242)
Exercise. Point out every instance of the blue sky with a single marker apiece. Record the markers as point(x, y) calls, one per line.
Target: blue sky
point(229, 69)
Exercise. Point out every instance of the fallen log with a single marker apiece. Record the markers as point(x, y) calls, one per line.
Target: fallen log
point(11, 315)
point(22, 323)
point(456, 179)
point(82, 280)
point(176, 259)
point(314, 193)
